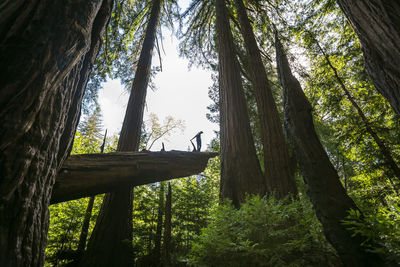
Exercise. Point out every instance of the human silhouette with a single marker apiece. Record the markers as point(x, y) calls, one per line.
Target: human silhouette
point(163, 147)
point(198, 140)
point(194, 147)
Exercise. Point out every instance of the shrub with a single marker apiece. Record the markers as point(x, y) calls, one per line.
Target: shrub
point(382, 227)
point(263, 232)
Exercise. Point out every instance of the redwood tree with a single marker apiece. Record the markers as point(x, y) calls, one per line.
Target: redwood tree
point(376, 23)
point(278, 173)
point(327, 194)
point(47, 49)
point(108, 247)
point(240, 169)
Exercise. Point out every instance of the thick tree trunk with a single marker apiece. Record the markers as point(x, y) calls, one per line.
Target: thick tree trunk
point(385, 151)
point(240, 169)
point(91, 174)
point(114, 248)
point(377, 24)
point(327, 194)
point(47, 49)
point(166, 252)
point(278, 172)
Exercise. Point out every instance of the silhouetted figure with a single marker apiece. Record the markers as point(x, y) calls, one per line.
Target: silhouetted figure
point(198, 140)
point(163, 148)
point(194, 148)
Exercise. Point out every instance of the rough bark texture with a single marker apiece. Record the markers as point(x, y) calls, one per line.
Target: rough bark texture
point(278, 171)
point(114, 248)
point(91, 174)
point(166, 252)
point(324, 188)
point(47, 49)
point(240, 169)
point(377, 24)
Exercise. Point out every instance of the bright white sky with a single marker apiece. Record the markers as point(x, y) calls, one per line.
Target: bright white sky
point(181, 93)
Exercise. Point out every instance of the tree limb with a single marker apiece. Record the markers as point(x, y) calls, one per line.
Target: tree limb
point(91, 174)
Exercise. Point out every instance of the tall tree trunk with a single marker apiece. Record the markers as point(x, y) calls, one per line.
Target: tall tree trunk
point(376, 23)
point(111, 241)
point(240, 169)
point(385, 151)
point(327, 194)
point(85, 227)
point(278, 171)
point(157, 241)
point(166, 251)
point(47, 49)
point(88, 215)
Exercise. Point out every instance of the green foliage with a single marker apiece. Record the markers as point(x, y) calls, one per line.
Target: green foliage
point(321, 29)
point(66, 220)
point(192, 201)
point(382, 227)
point(119, 54)
point(145, 207)
point(263, 232)
point(198, 34)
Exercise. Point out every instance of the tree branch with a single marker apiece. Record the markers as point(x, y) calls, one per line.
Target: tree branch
point(90, 174)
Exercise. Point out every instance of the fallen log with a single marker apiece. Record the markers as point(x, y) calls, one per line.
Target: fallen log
point(90, 174)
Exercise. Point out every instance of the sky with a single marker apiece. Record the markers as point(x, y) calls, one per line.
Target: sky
point(181, 93)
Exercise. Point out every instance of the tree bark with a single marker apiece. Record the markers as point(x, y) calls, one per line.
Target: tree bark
point(114, 248)
point(327, 194)
point(166, 252)
point(278, 172)
point(90, 174)
point(240, 169)
point(47, 49)
point(376, 23)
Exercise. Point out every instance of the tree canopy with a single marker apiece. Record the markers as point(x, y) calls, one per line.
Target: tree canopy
point(306, 97)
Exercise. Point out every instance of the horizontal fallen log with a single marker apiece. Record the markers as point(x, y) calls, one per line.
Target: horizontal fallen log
point(90, 174)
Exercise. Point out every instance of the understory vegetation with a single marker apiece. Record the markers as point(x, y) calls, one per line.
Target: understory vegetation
point(358, 129)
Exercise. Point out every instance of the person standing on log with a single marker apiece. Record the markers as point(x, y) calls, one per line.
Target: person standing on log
point(198, 140)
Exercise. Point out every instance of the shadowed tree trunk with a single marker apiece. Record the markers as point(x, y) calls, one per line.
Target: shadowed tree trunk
point(85, 227)
point(157, 241)
point(240, 169)
point(376, 23)
point(47, 50)
point(111, 241)
point(166, 251)
point(278, 172)
point(88, 215)
point(327, 194)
